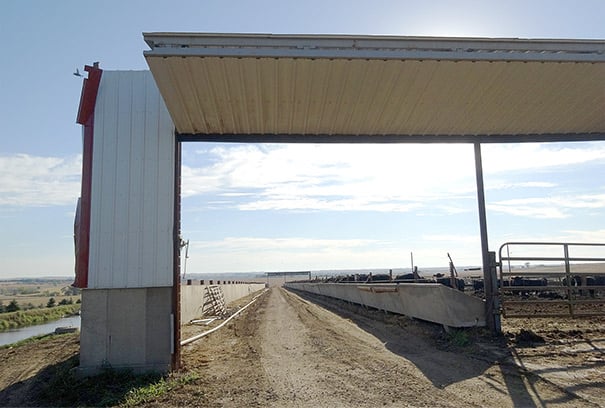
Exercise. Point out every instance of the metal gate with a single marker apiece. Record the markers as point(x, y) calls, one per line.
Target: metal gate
point(538, 279)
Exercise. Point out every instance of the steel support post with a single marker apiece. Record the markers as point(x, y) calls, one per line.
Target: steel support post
point(176, 278)
point(489, 269)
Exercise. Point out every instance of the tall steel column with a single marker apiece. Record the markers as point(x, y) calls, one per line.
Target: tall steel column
point(488, 261)
point(176, 282)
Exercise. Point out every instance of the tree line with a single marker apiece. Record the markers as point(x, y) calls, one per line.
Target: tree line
point(14, 306)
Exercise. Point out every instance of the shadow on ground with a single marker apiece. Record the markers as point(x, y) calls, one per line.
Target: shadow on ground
point(444, 358)
point(55, 385)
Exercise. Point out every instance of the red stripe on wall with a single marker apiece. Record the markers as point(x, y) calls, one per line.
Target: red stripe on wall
point(88, 100)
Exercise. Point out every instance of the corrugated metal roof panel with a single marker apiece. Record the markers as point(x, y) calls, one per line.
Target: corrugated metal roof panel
point(357, 96)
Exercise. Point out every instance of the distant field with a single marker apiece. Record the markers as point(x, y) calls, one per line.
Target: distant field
point(596, 268)
point(37, 291)
point(36, 300)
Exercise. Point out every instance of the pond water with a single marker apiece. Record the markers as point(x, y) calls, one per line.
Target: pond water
point(12, 336)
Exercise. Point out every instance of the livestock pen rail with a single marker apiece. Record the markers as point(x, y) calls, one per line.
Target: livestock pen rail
point(568, 279)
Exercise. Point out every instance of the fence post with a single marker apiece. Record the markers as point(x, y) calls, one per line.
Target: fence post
point(492, 300)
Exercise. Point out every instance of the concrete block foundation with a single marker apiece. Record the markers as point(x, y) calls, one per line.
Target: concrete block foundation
point(126, 329)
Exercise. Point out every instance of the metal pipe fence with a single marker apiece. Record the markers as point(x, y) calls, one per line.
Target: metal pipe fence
point(550, 279)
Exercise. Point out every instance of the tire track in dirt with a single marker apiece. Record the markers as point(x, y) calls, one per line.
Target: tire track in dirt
point(367, 362)
point(315, 358)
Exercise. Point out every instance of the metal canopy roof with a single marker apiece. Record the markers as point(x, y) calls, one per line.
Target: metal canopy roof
point(384, 89)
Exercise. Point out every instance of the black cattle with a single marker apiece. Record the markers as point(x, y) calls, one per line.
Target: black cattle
point(520, 281)
point(576, 280)
point(478, 285)
point(596, 280)
point(572, 281)
point(410, 278)
point(599, 280)
point(405, 277)
point(380, 278)
point(448, 282)
point(531, 282)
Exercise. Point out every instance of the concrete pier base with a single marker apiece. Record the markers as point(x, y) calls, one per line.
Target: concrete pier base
point(126, 329)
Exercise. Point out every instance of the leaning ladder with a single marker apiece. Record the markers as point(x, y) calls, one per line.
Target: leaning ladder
point(214, 301)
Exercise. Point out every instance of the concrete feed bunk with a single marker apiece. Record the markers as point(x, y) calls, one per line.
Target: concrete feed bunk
point(427, 301)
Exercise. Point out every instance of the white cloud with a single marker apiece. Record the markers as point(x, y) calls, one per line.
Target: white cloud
point(313, 204)
point(296, 253)
point(37, 181)
point(528, 184)
point(396, 178)
point(467, 239)
point(293, 253)
point(531, 156)
point(530, 211)
point(586, 236)
point(332, 177)
point(548, 207)
point(232, 244)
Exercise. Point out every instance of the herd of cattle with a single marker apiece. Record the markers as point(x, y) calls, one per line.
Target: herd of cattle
point(456, 283)
point(516, 285)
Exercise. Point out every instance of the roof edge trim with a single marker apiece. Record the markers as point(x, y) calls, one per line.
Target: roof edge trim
point(371, 47)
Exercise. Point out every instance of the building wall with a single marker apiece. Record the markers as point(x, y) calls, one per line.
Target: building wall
point(132, 200)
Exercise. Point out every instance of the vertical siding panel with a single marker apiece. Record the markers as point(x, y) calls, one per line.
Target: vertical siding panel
point(137, 142)
point(165, 215)
point(122, 181)
point(150, 203)
point(133, 184)
point(108, 160)
point(95, 213)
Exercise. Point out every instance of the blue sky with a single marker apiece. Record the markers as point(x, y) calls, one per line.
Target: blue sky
point(286, 207)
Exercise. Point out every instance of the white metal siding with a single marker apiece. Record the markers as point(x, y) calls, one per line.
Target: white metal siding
point(132, 209)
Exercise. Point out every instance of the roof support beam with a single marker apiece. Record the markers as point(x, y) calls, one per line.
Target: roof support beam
point(380, 139)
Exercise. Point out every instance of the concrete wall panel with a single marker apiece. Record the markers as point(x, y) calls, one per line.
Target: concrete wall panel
point(432, 302)
point(158, 305)
point(127, 331)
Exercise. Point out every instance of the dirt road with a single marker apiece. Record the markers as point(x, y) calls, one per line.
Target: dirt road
point(289, 352)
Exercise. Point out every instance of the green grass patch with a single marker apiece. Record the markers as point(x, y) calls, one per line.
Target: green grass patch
point(153, 391)
point(59, 387)
point(22, 318)
point(458, 338)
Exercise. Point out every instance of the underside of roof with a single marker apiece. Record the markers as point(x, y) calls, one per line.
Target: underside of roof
point(255, 87)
